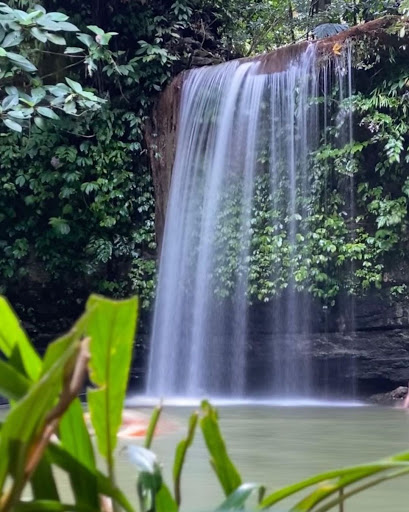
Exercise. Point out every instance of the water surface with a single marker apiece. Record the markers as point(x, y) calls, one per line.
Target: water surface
point(280, 445)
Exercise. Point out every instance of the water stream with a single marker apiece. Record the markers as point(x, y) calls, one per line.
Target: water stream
point(242, 133)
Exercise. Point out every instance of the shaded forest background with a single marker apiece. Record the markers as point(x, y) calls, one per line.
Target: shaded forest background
point(76, 198)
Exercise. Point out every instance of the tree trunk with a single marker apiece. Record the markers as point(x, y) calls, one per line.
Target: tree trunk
point(318, 6)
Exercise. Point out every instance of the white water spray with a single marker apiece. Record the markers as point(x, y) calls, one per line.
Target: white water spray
point(237, 125)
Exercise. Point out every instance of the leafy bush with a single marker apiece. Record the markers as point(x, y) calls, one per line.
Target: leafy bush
point(76, 197)
point(28, 33)
point(343, 245)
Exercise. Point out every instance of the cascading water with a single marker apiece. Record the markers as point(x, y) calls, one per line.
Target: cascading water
point(242, 133)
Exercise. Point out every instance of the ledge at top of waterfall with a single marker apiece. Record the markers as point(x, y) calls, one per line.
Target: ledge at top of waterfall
point(163, 126)
point(242, 133)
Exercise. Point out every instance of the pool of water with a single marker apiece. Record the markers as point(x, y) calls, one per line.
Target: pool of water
point(277, 445)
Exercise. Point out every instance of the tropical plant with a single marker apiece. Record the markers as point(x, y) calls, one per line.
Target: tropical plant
point(30, 33)
point(45, 428)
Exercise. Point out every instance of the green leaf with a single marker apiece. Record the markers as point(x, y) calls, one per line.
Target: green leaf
point(37, 94)
point(70, 107)
point(12, 91)
point(47, 112)
point(3, 52)
point(68, 27)
point(57, 16)
point(60, 225)
point(13, 125)
point(12, 39)
point(64, 460)
point(75, 86)
point(363, 471)
point(224, 468)
point(22, 427)
point(342, 495)
point(238, 498)
point(152, 426)
point(43, 482)
point(5, 8)
point(50, 506)
point(105, 38)
point(39, 122)
point(111, 327)
point(39, 34)
point(12, 335)
point(96, 30)
point(76, 441)
point(13, 385)
point(73, 49)
point(86, 39)
point(9, 101)
point(35, 14)
point(17, 114)
point(59, 90)
point(180, 455)
point(164, 500)
point(54, 38)
point(21, 62)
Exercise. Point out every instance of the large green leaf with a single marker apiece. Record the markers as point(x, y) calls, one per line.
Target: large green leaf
point(326, 489)
point(355, 474)
point(50, 506)
point(11, 334)
point(64, 460)
point(21, 62)
point(164, 500)
point(24, 422)
point(13, 385)
point(152, 426)
point(43, 482)
point(224, 468)
point(180, 455)
point(111, 327)
point(342, 496)
point(238, 498)
point(76, 440)
point(351, 474)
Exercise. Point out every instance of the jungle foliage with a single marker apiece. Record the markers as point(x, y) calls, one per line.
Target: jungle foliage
point(262, 25)
point(76, 201)
point(353, 228)
point(76, 198)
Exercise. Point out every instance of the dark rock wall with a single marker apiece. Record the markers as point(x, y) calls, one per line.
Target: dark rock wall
point(160, 136)
point(362, 354)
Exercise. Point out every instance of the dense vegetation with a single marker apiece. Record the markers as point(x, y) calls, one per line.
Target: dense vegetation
point(352, 229)
point(76, 198)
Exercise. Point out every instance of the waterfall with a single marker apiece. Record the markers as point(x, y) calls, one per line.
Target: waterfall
point(242, 134)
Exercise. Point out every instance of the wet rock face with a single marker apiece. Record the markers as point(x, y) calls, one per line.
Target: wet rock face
point(395, 397)
point(363, 354)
